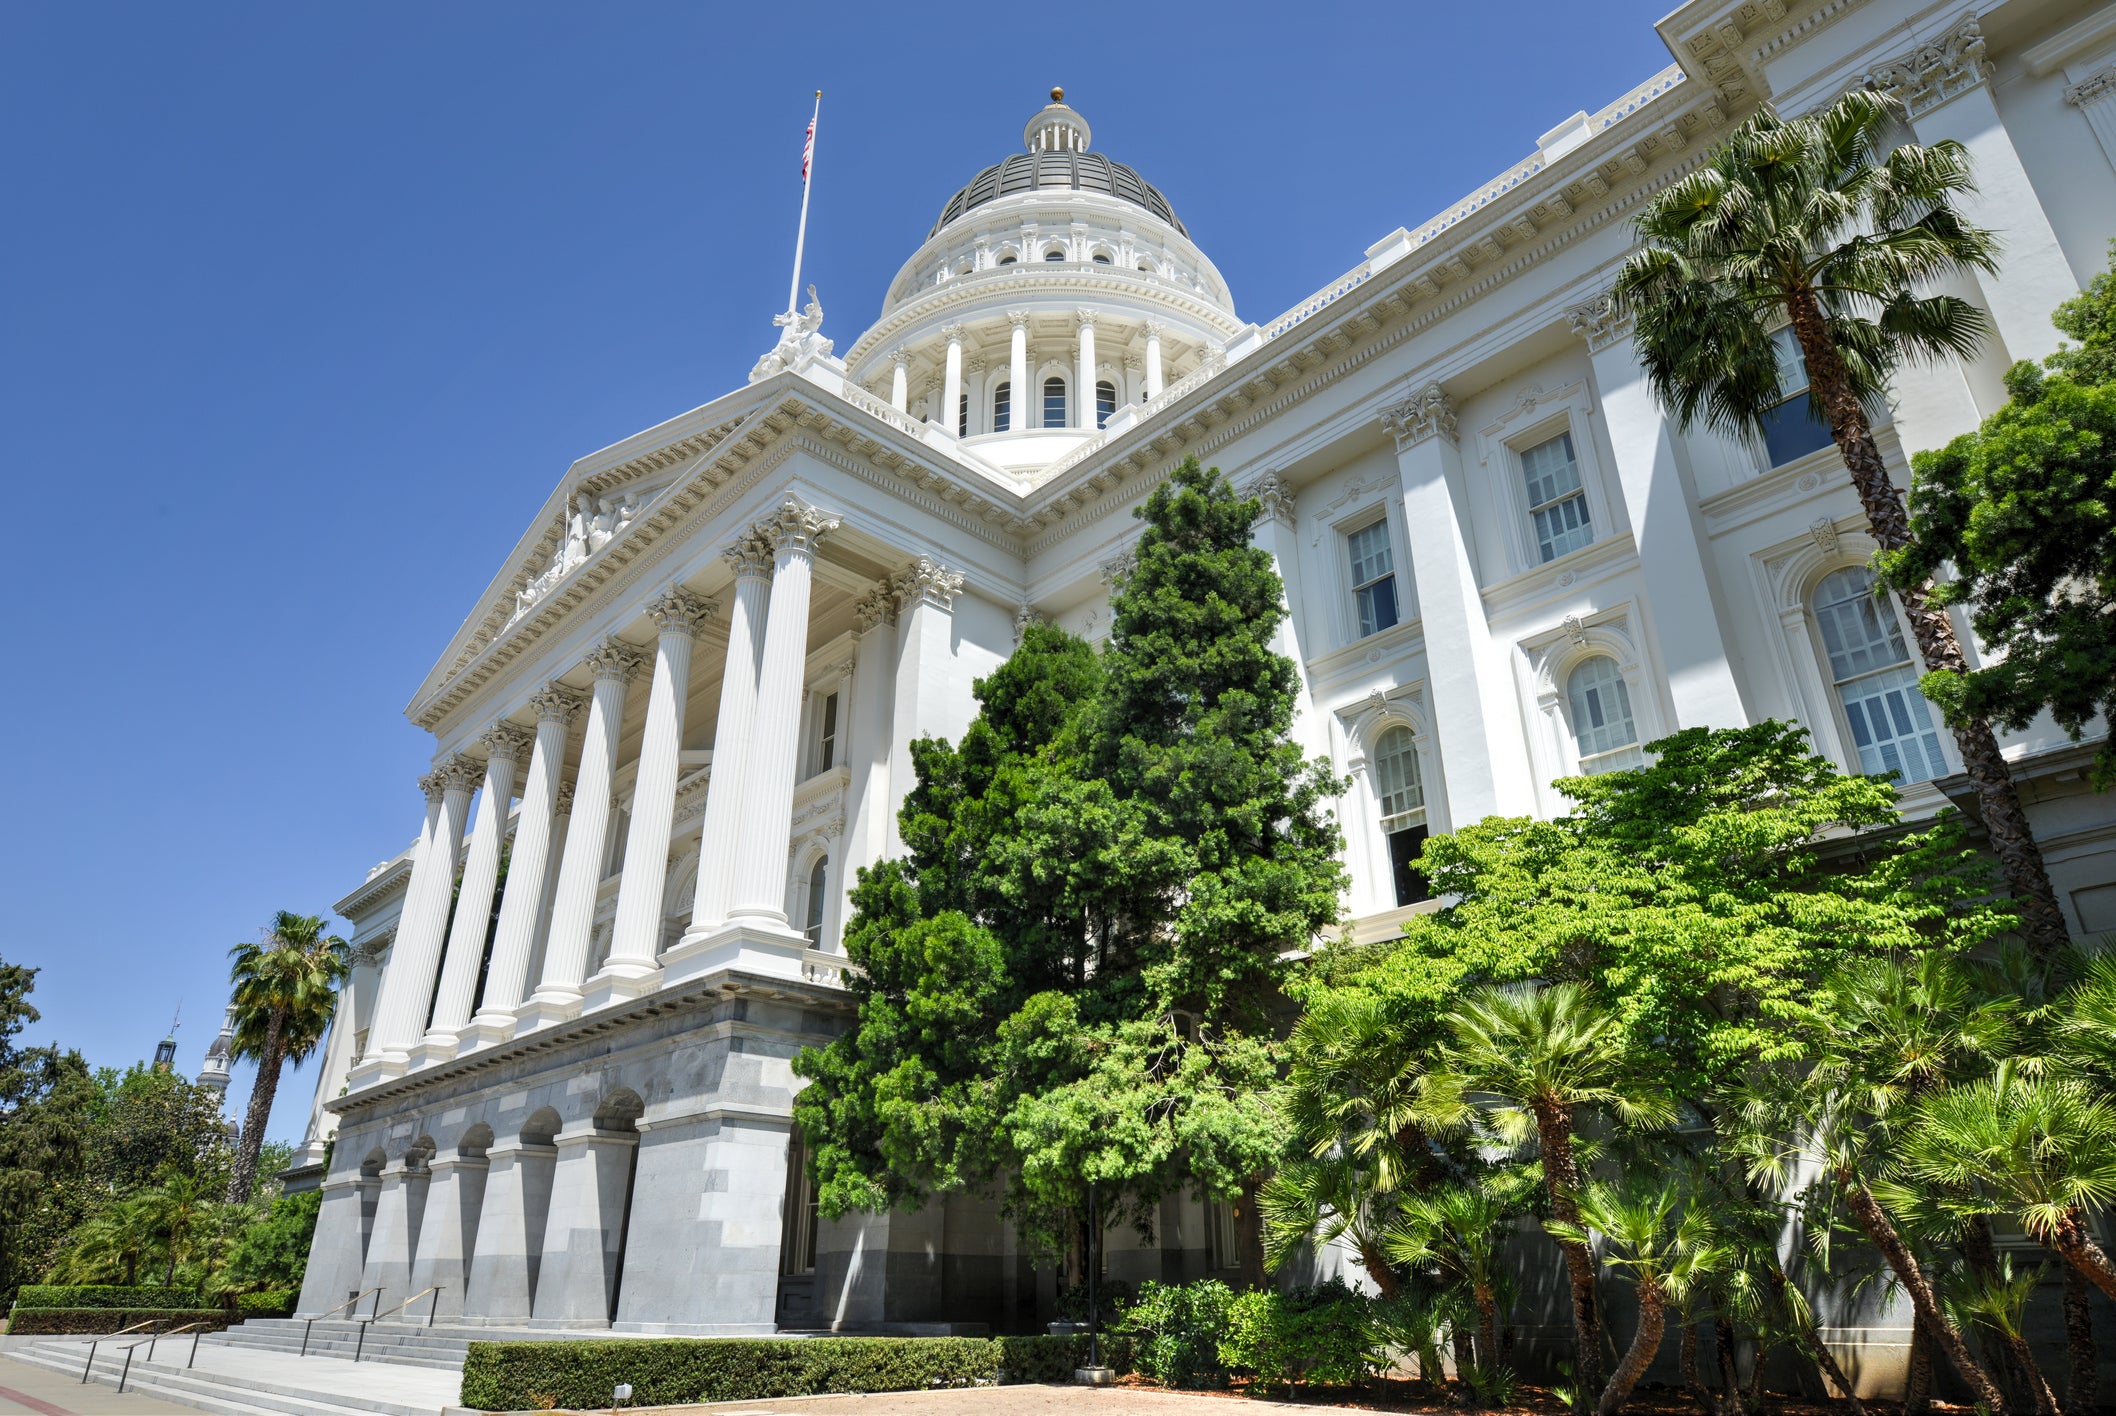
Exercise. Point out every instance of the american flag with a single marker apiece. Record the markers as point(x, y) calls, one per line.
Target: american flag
point(808, 149)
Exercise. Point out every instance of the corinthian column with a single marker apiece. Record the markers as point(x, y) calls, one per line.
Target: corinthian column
point(1084, 405)
point(1018, 395)
point(558, 997)
point(1153, 359)
point(521, 905)
point(636, 939)
point(473, 919)
point(751, 558)
point(900, 379)
point(951, 384)
point(400, 1012)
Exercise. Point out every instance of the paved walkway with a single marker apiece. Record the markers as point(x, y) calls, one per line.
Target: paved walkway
point(1001, 1401)
point(25, 1389)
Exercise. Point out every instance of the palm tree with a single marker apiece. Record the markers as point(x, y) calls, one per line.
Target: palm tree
point(177, 1213)
point(1665, 1253)
point(1889, 1033)
point(286, 988)
point(112, 1245)
point(1549, 1052)
point(1459, 1232)
point(1815, 221)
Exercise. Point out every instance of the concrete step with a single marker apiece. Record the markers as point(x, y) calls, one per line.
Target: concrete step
point(251, 1382)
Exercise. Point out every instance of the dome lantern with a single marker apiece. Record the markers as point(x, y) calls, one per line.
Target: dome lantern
point(1057, 128)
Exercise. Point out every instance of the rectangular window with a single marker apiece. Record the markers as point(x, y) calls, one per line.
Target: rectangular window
point(1791, 430)
point(1223, 1247)
point(1054, 403)
point(827, 734)
point(1557, 503)
point(1373, 577)
point(1404, 846)
point(962, 415)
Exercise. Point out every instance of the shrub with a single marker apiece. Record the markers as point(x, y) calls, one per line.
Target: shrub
point(517, 1376)
point(100, 1320)
point(1176, 1330)
point(274, 1252)
point(101, 1295)
point(1323, 1335)
point(268, 1303)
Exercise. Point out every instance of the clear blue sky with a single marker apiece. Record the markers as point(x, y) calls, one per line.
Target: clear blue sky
point(305, 308)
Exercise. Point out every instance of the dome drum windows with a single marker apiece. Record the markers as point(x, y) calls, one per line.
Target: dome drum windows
point(1054, 402)
point(1003, 408)
point(1892, 728)
point(1105, 402)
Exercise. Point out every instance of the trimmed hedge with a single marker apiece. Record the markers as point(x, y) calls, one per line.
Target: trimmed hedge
point(105, 1295)
point(522, 1376)
point(268, 1303)
point(87, 1321)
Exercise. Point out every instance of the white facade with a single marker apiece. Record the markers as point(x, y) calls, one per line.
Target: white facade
point(690, 692)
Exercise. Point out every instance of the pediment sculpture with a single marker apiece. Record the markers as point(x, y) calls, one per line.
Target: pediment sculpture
point(798, 341)
point(593, 523)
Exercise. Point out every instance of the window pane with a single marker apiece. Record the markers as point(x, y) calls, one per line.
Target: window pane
point(1857, 632)
point(1396, 780)
point(1791, 431)
point(1792, 364)
point(1601, 712)
point(1369, 548)
point(1105, 402)
point(1377, 606)
point(1054, 403)
point(818, 882)
point(1892, 725)
point(826, 749)
point(1563, 527)
point(1556, 502)
point(1550, 470)
point(1002, 408)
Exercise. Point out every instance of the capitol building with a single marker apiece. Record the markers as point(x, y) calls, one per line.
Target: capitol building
point(679, 717)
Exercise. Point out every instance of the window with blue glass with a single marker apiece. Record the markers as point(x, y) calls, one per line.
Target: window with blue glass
point(1105, 402)
point(1557, 503)
point(1002, 408)
point(1877, 685)
point(1054, 403)
point(1791, 430)
point(1603, 729)
point(1373, 577)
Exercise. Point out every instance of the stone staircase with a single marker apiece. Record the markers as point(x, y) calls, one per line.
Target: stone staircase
point(255, 1368)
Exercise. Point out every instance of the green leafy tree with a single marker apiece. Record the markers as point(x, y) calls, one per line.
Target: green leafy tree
point(2023, 513)
point(1551, 1055)
point(286, 989)
point(40, 1139)
point(273, 1251)
point(1826, 223)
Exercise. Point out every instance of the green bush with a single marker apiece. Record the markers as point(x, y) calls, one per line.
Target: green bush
point(99, 1320)
point(1177, 1332)
point(268, 1303)
point(1323, 1336)
point(101, 1295)
point(521, 1376)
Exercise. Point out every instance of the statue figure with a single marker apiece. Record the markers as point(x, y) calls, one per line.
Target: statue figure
point(798, 340)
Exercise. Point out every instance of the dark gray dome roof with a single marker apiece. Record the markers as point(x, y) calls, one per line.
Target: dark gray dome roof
point(1058, 170)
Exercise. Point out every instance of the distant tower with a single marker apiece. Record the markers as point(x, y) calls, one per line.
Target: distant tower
point(214, 1073)
point(165, 1051)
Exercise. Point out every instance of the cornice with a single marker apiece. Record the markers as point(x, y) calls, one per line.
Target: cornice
point(391, 880)
point(1729, 44)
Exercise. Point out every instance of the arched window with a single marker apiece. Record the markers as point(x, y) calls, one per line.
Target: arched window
point(1105, 402)
point(1402, 795)
point(1055, 253)
point(1601, 717)
point(818, 884)
point(1147, 266)
point(1054, 402)
point(1003, 408)
point(1007, 259)
point(1101, 258)
point(1876, 683)
point(962, 414)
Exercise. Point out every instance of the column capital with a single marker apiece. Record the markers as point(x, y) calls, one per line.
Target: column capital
point(1271, 489)
point(615, 660)
point(1424, 415)
point(460, 774)
point(795, 525)
point(927, 582)
point(1935, 71)
point(433, 786)
point(1118, 566)
point(900, 358)
point(877, 606)
point(1600, 321)
point(954, 333)
point(1018, 319)
point(562, 800)
point(1152, 329)
point(504, 742)
point(678, 611)
point(749, 554)
point(554, 703)
point(2093, 86)
point(1084, 319)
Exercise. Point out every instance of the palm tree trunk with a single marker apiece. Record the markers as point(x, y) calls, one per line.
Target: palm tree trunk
point(1561, 1178)
point(1729, 1364)
point(244, 1178)
point(2022, 1371)
point(1923, 1301)
point(1645, 1343)
point(1465, 1358)
point(1917, 1379)
point(1249, 1233)
point(2078, 1249)
point(2084, 1378)
point(1824, 1358)
point(2005, 819)
point(1377, 1266)
point(1693, 1379)
point(1487, 1321)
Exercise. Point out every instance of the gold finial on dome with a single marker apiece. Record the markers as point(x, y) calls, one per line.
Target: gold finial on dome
point(1057, 128)
point(1057, 95)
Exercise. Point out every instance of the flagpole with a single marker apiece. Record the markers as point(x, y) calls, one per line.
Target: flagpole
point(793, 293)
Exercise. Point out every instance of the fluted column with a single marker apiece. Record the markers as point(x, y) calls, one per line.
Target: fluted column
point(473, 910)
point(528, 871)
point(635, 941)
point(558, 996)
point(407, 984)
point(900, 380)
point(1153, 359)
point(1019, 395)
point(951, 383)
point(1274, 533)
point(925, 603)
point(1084, 377)
point(870, 808)
point(751, 559)
point(767, 789)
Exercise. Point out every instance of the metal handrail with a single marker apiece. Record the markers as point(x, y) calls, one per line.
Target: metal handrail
point(371, 1319)
point(352, 1302)
point(136, 1327)
point(148, 1343)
